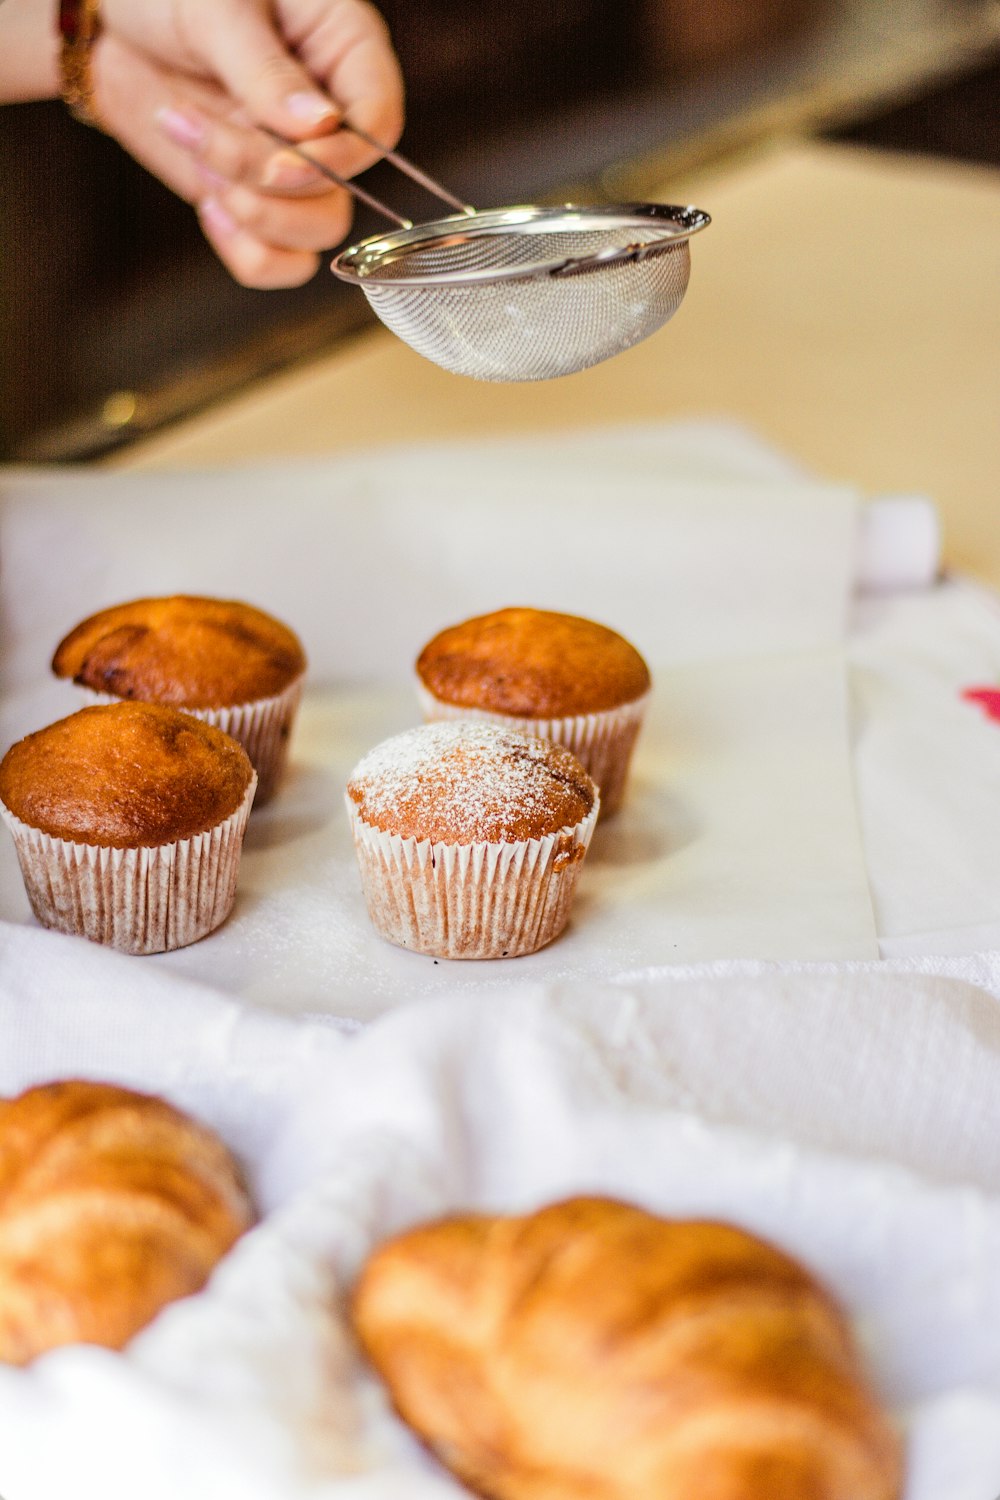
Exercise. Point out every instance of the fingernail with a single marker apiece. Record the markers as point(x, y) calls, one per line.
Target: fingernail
point(311, 109)
point(287, 171)
point(216, 217)
point(214, 179)
point(184, 130)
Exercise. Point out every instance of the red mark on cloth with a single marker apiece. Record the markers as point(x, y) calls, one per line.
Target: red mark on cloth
point(988, 699)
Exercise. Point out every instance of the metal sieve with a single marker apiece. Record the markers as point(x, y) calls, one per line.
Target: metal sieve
point(522, 293)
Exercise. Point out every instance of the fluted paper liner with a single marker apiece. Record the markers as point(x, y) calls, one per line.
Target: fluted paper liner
point(602, 742)
point(483, 900)
point(263, 728)
point(144, 900)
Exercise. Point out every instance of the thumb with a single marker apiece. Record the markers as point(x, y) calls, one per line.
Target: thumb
point(248, 56)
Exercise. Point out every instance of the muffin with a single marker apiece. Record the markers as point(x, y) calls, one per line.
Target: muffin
point(112, 1204)
point(593, 1349)
point(128, 821)
point(230, 664)
point(470, 838)
point(554, 676)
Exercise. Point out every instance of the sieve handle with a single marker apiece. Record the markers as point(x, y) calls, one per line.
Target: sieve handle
point(411, 170)
point(402, 163)
point(577, 265)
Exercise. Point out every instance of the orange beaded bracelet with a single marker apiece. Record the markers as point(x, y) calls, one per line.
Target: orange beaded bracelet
point(79, 28)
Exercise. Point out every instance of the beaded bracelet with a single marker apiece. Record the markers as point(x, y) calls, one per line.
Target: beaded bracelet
point(79, 28)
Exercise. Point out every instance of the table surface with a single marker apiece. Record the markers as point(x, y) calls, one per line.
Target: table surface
point(844, 304)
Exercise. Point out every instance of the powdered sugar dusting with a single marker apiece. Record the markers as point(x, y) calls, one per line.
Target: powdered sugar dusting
point(468, 782)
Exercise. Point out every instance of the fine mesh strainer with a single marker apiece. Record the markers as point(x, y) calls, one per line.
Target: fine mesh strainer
point(523, 293)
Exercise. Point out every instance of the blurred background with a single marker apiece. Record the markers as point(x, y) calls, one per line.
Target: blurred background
point(116, 319)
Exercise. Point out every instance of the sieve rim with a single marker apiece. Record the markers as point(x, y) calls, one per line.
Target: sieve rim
point(362, 262)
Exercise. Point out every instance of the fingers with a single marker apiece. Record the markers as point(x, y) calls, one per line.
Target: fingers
point(268, 191)
point(240, 153)
point(250, 260)
point(268, 194)
point(240, 47)
point(351, 52)
point(264, 242)
point(296, 65)
point(299, 66)
point(300, 73)
point(265, 211)
point(231, 152)
point(287, 223)
point(127, 86)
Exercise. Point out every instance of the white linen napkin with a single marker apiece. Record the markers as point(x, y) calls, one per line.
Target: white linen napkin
point(849, 1118)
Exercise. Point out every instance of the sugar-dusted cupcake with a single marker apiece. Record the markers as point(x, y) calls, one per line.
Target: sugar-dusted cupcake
point(230, 664)
point(555, 676)
point(128, 821)
point(470, 838)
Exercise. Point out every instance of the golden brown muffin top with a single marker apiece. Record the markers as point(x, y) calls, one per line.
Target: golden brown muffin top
point(533, 664)
point(464, 782)
point(192, 652)
point(124, 776)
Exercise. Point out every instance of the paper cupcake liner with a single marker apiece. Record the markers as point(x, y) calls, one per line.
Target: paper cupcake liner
point(263, 728)
point(485, 900)
point(144, 900)
point(602, 742)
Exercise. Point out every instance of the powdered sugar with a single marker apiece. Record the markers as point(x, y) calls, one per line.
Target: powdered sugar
point(469, 782)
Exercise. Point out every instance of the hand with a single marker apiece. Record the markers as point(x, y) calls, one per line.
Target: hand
point(180, 83)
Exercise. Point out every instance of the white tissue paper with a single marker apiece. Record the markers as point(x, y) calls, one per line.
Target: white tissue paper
point(732, 570)
point(739, 837)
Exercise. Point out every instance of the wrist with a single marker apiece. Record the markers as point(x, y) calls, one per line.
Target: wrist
point(29, 51)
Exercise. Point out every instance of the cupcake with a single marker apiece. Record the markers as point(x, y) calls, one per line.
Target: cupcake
point(128, 822)
point(555, 676)
point(226, 662)
point(470, 838)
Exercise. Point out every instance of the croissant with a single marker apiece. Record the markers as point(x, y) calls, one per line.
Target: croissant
point(593, 1350)
point(112, 1204)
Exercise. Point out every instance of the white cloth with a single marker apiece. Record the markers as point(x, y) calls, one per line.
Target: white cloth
point(848, 1110)
point(851, 1118)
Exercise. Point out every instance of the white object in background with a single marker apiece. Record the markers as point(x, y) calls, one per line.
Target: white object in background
point(369, 556)
point(927, 767)
point(899, 544)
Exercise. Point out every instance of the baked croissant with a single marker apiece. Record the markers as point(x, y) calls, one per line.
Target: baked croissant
point(593, 1350)
point(112, 1204)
